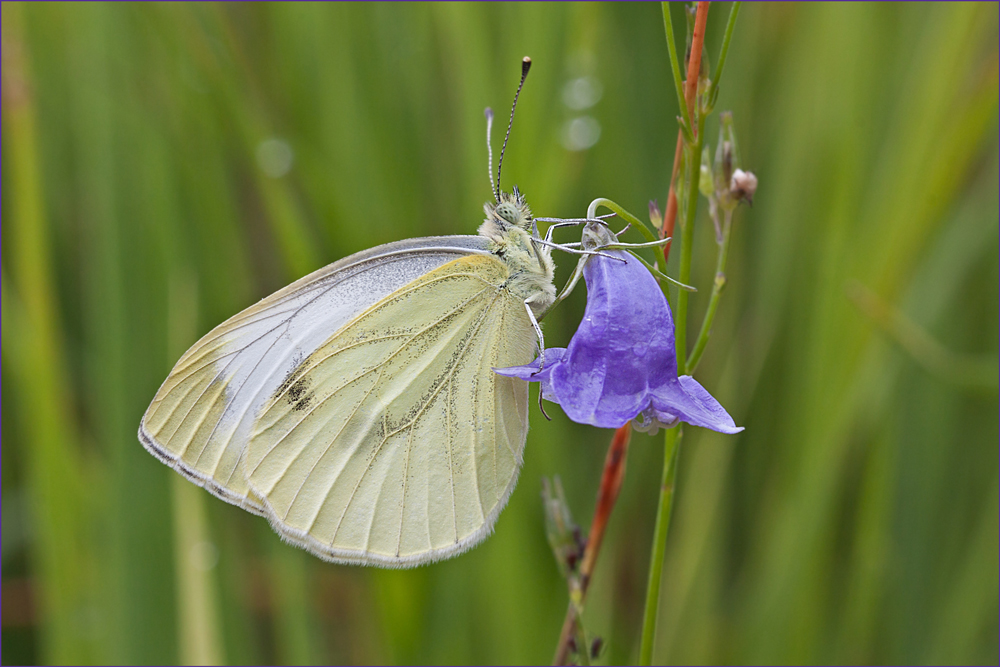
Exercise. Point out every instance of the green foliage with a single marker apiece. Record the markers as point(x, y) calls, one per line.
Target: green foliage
point(855, 520)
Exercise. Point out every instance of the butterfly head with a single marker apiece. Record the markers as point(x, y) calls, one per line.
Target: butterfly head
point(511, 211)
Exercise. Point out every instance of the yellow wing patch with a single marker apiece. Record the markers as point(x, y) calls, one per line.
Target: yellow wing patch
point(394, 442)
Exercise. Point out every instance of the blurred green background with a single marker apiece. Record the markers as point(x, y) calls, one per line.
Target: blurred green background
point(166, 165)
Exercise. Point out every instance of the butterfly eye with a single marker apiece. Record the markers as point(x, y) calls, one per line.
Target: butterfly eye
point(508, 212)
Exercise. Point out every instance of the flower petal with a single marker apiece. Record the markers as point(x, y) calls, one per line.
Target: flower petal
point(624, 345)
point(530, 372)
point(688, 400)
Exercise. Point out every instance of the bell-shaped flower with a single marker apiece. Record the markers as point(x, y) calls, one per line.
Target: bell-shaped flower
point(621, 363)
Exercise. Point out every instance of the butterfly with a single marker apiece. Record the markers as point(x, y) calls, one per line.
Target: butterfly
point(357, 408)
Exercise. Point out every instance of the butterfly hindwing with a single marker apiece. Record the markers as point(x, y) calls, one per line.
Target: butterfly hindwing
point(394, 442)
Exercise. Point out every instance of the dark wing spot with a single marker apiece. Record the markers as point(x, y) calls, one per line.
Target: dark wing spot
point(299, 396)
point(295, 390)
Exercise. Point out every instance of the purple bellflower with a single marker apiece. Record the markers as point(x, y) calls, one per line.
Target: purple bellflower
point(621, 364)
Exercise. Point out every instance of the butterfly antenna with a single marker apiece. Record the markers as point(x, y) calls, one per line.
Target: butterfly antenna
point(525, 66)
point(489, 149)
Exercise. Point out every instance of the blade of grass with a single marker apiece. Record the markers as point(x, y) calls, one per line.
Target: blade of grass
point(195, 554)
point(61, 555)
point(673, 436)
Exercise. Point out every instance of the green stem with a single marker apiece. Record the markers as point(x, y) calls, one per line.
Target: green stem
point(668, 27)
point(671, 450)
point(687, 236)
point(673, 436)
point(713, 303)
point(623, 214)
point(634, 221)
point(713, 93)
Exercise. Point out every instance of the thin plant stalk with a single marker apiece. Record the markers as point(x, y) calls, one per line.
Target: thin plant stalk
point(197, 616)
point(690, 90)
point(673, 436)
point(682, 102)
point(687, 238)
point(713, 91)
point(671, 450)
point(713, 303)
point(670, 213)
point(661, 264)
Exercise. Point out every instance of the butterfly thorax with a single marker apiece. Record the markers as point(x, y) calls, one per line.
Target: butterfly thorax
point(510, 229)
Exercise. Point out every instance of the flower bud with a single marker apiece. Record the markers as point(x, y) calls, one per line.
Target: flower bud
point(743, 186)
point(732, 184)
point(655, 216)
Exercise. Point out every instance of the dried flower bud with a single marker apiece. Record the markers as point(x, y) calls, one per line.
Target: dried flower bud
point(732, 184)
point(743, 186)
point(655, 216)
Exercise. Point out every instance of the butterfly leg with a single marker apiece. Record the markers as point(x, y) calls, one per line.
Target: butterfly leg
point(542, 407)
point(538, 332)
point(541, 352)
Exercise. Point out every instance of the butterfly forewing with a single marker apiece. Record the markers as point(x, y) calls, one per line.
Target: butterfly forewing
point(394, 442)
point(200, 420)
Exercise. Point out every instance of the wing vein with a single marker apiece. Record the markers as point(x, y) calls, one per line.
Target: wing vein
point(451, 467)
point(402, 498)
point(386, 436)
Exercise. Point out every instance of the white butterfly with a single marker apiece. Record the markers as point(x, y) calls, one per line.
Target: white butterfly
point(357, 408)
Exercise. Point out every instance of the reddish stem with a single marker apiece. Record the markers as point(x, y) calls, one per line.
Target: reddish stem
point(611, 484)
point(607, 495)
point(690, 92)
